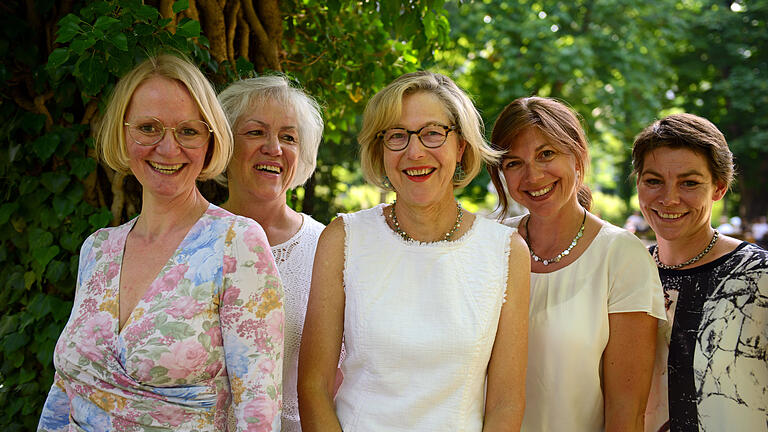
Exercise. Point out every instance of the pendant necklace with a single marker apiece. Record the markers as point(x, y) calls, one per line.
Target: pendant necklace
point(706, 250)
point(562, 254)
point(446, 237)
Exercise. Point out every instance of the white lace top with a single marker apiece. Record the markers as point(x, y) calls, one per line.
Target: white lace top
point(294, 260)
point(420, 321)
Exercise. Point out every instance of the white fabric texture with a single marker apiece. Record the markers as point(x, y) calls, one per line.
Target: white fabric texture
point(568, 328)
point(419, 326)
point(294, 260)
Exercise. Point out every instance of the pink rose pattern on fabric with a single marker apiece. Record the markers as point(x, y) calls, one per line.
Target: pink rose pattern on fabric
point(181, 343)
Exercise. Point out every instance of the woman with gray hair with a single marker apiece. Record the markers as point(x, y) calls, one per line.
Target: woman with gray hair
point(277, 130)
point(429, 299)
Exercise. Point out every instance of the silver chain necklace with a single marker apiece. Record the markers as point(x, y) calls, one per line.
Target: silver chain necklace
point(562, 254)
point(706, 250)
point(446, 237)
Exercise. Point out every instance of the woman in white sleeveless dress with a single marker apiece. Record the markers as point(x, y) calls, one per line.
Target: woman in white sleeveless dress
point(595, 294)
point(277, 129)
point(417, 288)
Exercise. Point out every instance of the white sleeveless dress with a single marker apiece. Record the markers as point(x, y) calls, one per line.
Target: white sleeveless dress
point(294, 259)
point(420, 322)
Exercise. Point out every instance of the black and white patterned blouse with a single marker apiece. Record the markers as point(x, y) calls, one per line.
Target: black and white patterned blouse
point(717, 360)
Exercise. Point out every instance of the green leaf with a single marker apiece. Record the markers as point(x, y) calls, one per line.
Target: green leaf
point(81, 167)
point(57, 58)
point(56, 271)
point(180, 5)
point(45, 255)
point(430, 25)
point(119, 40)
point(103, 23)
point(93, 73)
point(63, 206)
point(6, 210)
point(55, 181)
point(39, 238)
point(46, 145)
point(69, 26)
point(79, 45)
point(189, 28)
point(13, 342)
point(100, 220)
point(146, 13)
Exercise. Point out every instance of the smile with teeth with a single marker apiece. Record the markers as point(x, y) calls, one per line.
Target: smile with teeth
point(165, 169)
point(269, 168)
point(670, 215)
point(419, 172)
point(541, 192)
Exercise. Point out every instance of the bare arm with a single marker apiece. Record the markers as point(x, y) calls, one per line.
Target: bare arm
point(323, 330)
point(505, 398)
point(627, 368)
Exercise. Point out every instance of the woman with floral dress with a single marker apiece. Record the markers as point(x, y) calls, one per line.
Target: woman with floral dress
point(178, 313)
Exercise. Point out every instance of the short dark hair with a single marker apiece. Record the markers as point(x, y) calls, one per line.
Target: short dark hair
point(691, 132)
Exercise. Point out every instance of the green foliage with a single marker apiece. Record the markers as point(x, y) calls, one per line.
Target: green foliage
point(608, 60)
point(49, 175)
point(722, 69)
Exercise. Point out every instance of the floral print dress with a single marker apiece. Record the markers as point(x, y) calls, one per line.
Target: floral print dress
point(208, 333)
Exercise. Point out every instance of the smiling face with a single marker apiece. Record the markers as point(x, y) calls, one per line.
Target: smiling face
point(422, 175)
point(539, 175)
point(266, 152)
point(166, 168)
point(676, 192)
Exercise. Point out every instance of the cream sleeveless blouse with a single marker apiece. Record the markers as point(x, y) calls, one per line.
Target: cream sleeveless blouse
point(420, 322)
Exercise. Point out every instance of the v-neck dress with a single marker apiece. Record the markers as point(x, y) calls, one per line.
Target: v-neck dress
point(208, 333)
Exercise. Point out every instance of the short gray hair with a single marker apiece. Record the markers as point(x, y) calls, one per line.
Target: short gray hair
point(243, 95)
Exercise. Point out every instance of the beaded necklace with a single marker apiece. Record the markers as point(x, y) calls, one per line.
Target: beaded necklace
point(562, 254)
point(446, 237)
point(706, 250)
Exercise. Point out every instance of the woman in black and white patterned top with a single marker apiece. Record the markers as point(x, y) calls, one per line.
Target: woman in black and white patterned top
point(711, 370)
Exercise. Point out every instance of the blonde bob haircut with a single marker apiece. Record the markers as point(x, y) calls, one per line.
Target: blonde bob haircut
point(254, 93)
point(385, 108)
point(110, 134)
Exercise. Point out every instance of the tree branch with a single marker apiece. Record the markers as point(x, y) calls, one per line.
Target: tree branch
point(231, 31)
point(213, 27)
point(118, 198)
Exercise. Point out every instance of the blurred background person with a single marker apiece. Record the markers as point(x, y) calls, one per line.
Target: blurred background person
point(417, 288)
point(277, 130)
point(711, 371)
point(595, 298)
point(155, 340)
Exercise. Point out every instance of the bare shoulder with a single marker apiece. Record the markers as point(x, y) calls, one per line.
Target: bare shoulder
point(518, 249)
point(334, 232)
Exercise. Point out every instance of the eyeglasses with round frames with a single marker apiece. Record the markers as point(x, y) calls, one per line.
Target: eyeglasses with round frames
point(188, 133)
point(431, 136)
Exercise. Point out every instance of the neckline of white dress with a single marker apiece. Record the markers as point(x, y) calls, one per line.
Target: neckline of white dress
point(440, 243)
point(302, 228)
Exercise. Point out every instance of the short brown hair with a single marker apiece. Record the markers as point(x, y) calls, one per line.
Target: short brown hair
point(110, 136)
point(691, 132)
point(559, 124)
point(385, 108)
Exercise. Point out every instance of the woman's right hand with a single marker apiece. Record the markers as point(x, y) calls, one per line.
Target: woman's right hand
point(323, 331)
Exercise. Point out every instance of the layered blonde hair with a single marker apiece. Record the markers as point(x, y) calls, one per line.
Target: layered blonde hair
point(559, 124)
point(385, 108)
point(253, 93)
point(110, 133)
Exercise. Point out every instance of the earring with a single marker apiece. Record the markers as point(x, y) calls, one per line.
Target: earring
point(387, 184)
point(459, 174)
